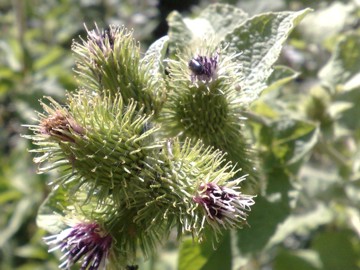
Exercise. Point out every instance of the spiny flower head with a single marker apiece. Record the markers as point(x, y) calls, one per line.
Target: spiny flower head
point(56, 124)
point(56, 131)
point(202, 99)
point(204, 102)
point(98, 142)
point(103, 39)
point(115, 155)
point(109, 61)
point(84, 242)
point(223, 205)
point(179, 195)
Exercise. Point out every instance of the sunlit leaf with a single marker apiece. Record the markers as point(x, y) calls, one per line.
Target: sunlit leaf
point(260, 39)
point(223, 18)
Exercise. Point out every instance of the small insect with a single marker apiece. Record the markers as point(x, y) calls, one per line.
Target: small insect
point(203, 68)
point(196, 67)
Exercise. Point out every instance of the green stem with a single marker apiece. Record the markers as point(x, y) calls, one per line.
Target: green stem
point(19, 22)
point(256, 118)
point(334, 154)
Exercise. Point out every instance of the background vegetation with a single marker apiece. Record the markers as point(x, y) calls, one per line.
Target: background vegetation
point(306, 128)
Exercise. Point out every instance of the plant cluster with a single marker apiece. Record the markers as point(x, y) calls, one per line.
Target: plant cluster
point(204, 133)
point(150, 144)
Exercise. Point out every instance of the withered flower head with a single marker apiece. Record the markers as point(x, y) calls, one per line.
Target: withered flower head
point(60, 125)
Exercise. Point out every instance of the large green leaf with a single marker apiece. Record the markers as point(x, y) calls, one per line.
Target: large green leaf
point(260, 39)
point(263, 221)
point(213, 22)
point(267, 213)
point(290, 140)
point(301, 224)
point(179, 34)
point(338, 250)
point(223, 18)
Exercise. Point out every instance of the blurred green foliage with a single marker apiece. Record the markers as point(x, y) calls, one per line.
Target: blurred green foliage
point(305, 125)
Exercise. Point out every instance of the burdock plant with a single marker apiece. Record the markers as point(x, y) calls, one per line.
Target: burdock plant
point(156, 143)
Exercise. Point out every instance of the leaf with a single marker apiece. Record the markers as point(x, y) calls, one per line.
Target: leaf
point(190, 256)
point(326, 21)
point(179, 34)
point(280, 76)
point(260, 39)
point(290, 140)
point(22, 211)
point(153, 64)
point(155, 56)
point(193, 256)
point(215, 21)
point(336, 108)
point(11, 51)
point(346, 118)
point(344, 64)
point(301, 224)
point(297, 260)
point(263, 221)
point(52, 57)
point(338, 250)
point(223, 18)
point(221, 257)
point(267, 213)
point(50, 213)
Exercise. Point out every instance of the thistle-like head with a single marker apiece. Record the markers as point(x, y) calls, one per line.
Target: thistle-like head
point(84, 242)
point(223, 205)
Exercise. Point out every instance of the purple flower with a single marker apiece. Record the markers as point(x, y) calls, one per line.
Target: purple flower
point(223, 205)
point(84, 242)
point(103, 39)
point(203, 68)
